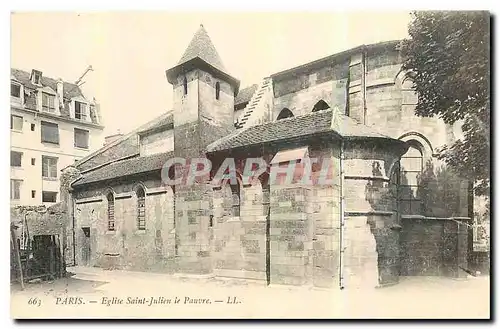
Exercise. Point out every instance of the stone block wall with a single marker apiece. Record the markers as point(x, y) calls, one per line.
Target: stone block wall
point(433, 247)
point(324, 215)
point(152, 249)
point(290, 237)
point(239, 243)
point(192, 228)
point(371, 232)
point(300, 93)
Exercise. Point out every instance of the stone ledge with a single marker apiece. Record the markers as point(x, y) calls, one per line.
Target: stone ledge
point(359, 177)
point(89, 200)
point(380, 82)
point(241, 274)
point(368, 213)
point(435, 218)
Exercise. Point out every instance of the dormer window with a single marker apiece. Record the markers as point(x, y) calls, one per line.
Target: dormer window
point(36, 77)
point(48, 103)
point(15, 90)
point(80, 111)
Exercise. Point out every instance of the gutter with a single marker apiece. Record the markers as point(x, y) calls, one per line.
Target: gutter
point(342, 218)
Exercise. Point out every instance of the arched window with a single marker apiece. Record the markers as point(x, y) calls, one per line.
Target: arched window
point(141, 208)
point(217, 90)
point(410, 169)
point(111, 211)
point(285, 113)
point(185, 86)
point(320, 106)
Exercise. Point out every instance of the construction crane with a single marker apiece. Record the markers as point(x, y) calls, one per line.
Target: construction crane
point(89, 68)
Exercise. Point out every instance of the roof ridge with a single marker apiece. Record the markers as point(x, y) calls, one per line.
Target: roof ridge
point(43, 76)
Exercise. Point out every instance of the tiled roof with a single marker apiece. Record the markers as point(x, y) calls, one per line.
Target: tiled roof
point(309, 124)
point(140, 164)
point(245, 94)
point(201, 46)
point(70, 89)
point(125, 146)
point(163, 121)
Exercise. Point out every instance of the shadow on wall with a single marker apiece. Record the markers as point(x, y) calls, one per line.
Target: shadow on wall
point(437, 193)
point(442, 192)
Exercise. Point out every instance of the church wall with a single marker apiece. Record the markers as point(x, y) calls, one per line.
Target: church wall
point(434, 247)
point(371, 233)
point(300, 93)
point(127, 247)
point(239, 245)
point(186, 106)
point(324, 214)
point(217, 111)
point(158, 142)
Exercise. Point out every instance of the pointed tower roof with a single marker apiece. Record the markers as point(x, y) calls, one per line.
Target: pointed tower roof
point(201, 46)
point(201, 53)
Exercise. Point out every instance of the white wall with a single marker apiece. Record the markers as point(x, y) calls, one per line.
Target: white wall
point(29, 143)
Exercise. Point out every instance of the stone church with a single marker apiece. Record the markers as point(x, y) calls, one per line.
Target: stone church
point(391, 208)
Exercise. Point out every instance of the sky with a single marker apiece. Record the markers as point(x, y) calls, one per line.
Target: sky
point(130, 51)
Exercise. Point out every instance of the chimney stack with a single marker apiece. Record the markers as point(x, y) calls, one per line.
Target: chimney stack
point(60, 92)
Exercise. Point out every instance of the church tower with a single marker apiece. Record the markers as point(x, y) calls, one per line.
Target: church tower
point(203, 96)
point(203, 104)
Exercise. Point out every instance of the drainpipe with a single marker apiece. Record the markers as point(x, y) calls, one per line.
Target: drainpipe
point(342, 218)
point(73, 233)
point(363, 82)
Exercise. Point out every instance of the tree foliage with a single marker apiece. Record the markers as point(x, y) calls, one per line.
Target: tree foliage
point(448, 59)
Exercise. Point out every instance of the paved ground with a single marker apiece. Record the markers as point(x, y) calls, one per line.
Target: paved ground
point(417, 297)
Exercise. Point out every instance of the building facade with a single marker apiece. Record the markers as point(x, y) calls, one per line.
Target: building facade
point(52, 125)
point(388, 209)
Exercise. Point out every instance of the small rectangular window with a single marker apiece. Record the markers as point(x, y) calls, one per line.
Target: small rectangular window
point(49, 196)
point(50, 132)
point(49, 167)
point(16, 122)
point(81, 138)
point(15, 158)
point(48, 103)
point(32, 127)
point(15, 189)
point(33, 194)
point(15, 90)
point(33, 160)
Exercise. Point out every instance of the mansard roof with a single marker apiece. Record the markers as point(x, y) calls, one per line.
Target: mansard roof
point(314, 123)
point(71, 90)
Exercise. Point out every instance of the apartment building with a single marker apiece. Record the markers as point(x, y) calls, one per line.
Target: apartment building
point(52, 125)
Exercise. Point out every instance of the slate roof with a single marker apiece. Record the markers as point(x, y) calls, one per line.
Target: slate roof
point(163, 121)
point(70, 89)
point(124, 146)
point(137, 165)
point(201, 46)
point(309, 124)
point(245, 95)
